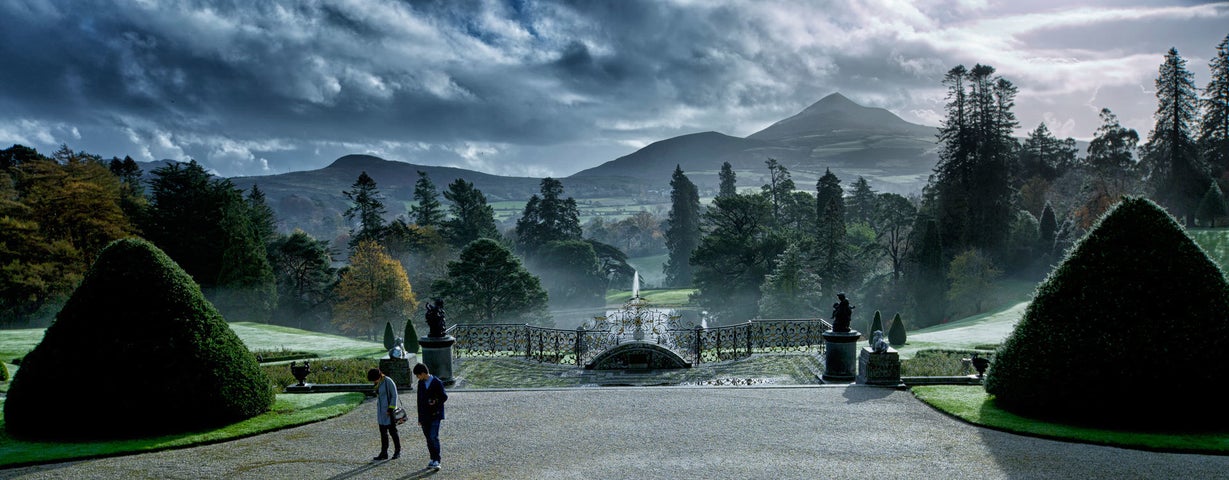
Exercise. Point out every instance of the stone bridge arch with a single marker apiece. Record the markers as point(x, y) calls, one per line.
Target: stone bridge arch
point(638, 356)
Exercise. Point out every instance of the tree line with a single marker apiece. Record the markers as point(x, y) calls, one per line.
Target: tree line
point(994, 206)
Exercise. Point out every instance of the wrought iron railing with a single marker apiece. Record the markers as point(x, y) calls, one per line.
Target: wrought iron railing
point(580, 346)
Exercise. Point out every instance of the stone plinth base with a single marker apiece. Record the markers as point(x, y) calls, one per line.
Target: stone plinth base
point(879, 368)
point(397, 369)
point(839, 356)
point(437, 356)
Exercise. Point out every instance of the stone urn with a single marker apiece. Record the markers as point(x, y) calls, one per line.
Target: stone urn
point(300, 371)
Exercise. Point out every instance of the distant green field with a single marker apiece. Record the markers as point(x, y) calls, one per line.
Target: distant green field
point(672, 297)
point(1216, 243)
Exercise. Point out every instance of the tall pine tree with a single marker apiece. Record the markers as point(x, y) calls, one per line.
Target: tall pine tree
point(367, 209)
point(728, 179)
point(428, 212)
point(1175, 172)
point(682, 229)
point(1214, 125)
point(549, 218)
point(472, 218)
point(976, 151)
point(830, 239)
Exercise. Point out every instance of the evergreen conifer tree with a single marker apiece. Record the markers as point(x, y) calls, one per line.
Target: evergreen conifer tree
point(727, 186)
point(896, 333)
point(830, 240)
point(876, 325)
point(367, 209)
point(472, 218)
point(861, 204)
point(411, 336)
point(390, 338)
point(682, 229)
point(1214, 124)
point(548, 218)
point(1212, 206)
point(428, 212)
point(1048, 227)
point(488, 284)
point(930, 281)
point(1175, 171)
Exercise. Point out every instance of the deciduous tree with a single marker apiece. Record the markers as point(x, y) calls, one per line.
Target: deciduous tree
point(374, 289)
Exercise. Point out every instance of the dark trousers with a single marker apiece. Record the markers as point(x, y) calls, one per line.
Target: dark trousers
point(385, 431)
point(431, 430)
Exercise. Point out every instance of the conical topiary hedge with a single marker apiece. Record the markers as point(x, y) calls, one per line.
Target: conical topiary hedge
point(1132, 324)
point(896, 332)
point(136, 350)
point(876, 325)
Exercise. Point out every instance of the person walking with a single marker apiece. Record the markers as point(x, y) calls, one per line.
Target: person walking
point(431, 398)
point(386, 403)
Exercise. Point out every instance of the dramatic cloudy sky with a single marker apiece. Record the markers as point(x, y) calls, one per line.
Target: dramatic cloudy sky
point(528, 87)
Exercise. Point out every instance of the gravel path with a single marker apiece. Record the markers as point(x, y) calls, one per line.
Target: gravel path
point(657, 432)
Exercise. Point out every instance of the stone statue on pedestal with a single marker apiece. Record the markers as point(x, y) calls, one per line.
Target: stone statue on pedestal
point(435, 318)
point(398, 350)
point(842, 312)
point(878, 344)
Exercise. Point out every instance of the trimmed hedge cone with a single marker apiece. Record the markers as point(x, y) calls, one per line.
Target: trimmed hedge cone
point(1134, 321)
point(136, 351)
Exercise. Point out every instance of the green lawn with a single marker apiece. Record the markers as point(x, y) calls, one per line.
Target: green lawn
point(972, 404)
point(17, 343)
point(257, 336)
point(1215, 242)
point(669, 297)
point(289, 410)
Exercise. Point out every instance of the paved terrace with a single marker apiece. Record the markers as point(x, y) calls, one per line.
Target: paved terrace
point(657, 432)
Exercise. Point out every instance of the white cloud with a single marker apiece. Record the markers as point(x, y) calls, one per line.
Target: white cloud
point(27, 132)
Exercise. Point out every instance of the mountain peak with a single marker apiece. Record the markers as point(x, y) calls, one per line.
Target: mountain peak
point(358, 161)
point(833, 113)
point(833, 100)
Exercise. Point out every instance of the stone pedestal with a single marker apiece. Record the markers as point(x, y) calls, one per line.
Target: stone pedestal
point(879, 368)
point(398, 369)
point(839, 356)
point(437, 356)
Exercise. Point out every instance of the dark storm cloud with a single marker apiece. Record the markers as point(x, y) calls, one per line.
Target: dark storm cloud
point(527, 87)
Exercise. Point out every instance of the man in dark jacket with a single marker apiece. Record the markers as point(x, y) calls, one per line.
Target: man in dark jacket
point(431, 398)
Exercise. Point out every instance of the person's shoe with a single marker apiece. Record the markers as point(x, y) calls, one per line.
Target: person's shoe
point(434, 465)
point(382, 456)
point(396, 455)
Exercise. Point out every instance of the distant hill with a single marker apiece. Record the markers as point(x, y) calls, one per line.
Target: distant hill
point(852, 140)
point(314, 201)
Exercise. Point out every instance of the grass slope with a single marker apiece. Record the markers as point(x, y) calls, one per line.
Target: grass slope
point(974, 405)
point(1216, 243)
point(259, 336)
point(288, 411)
